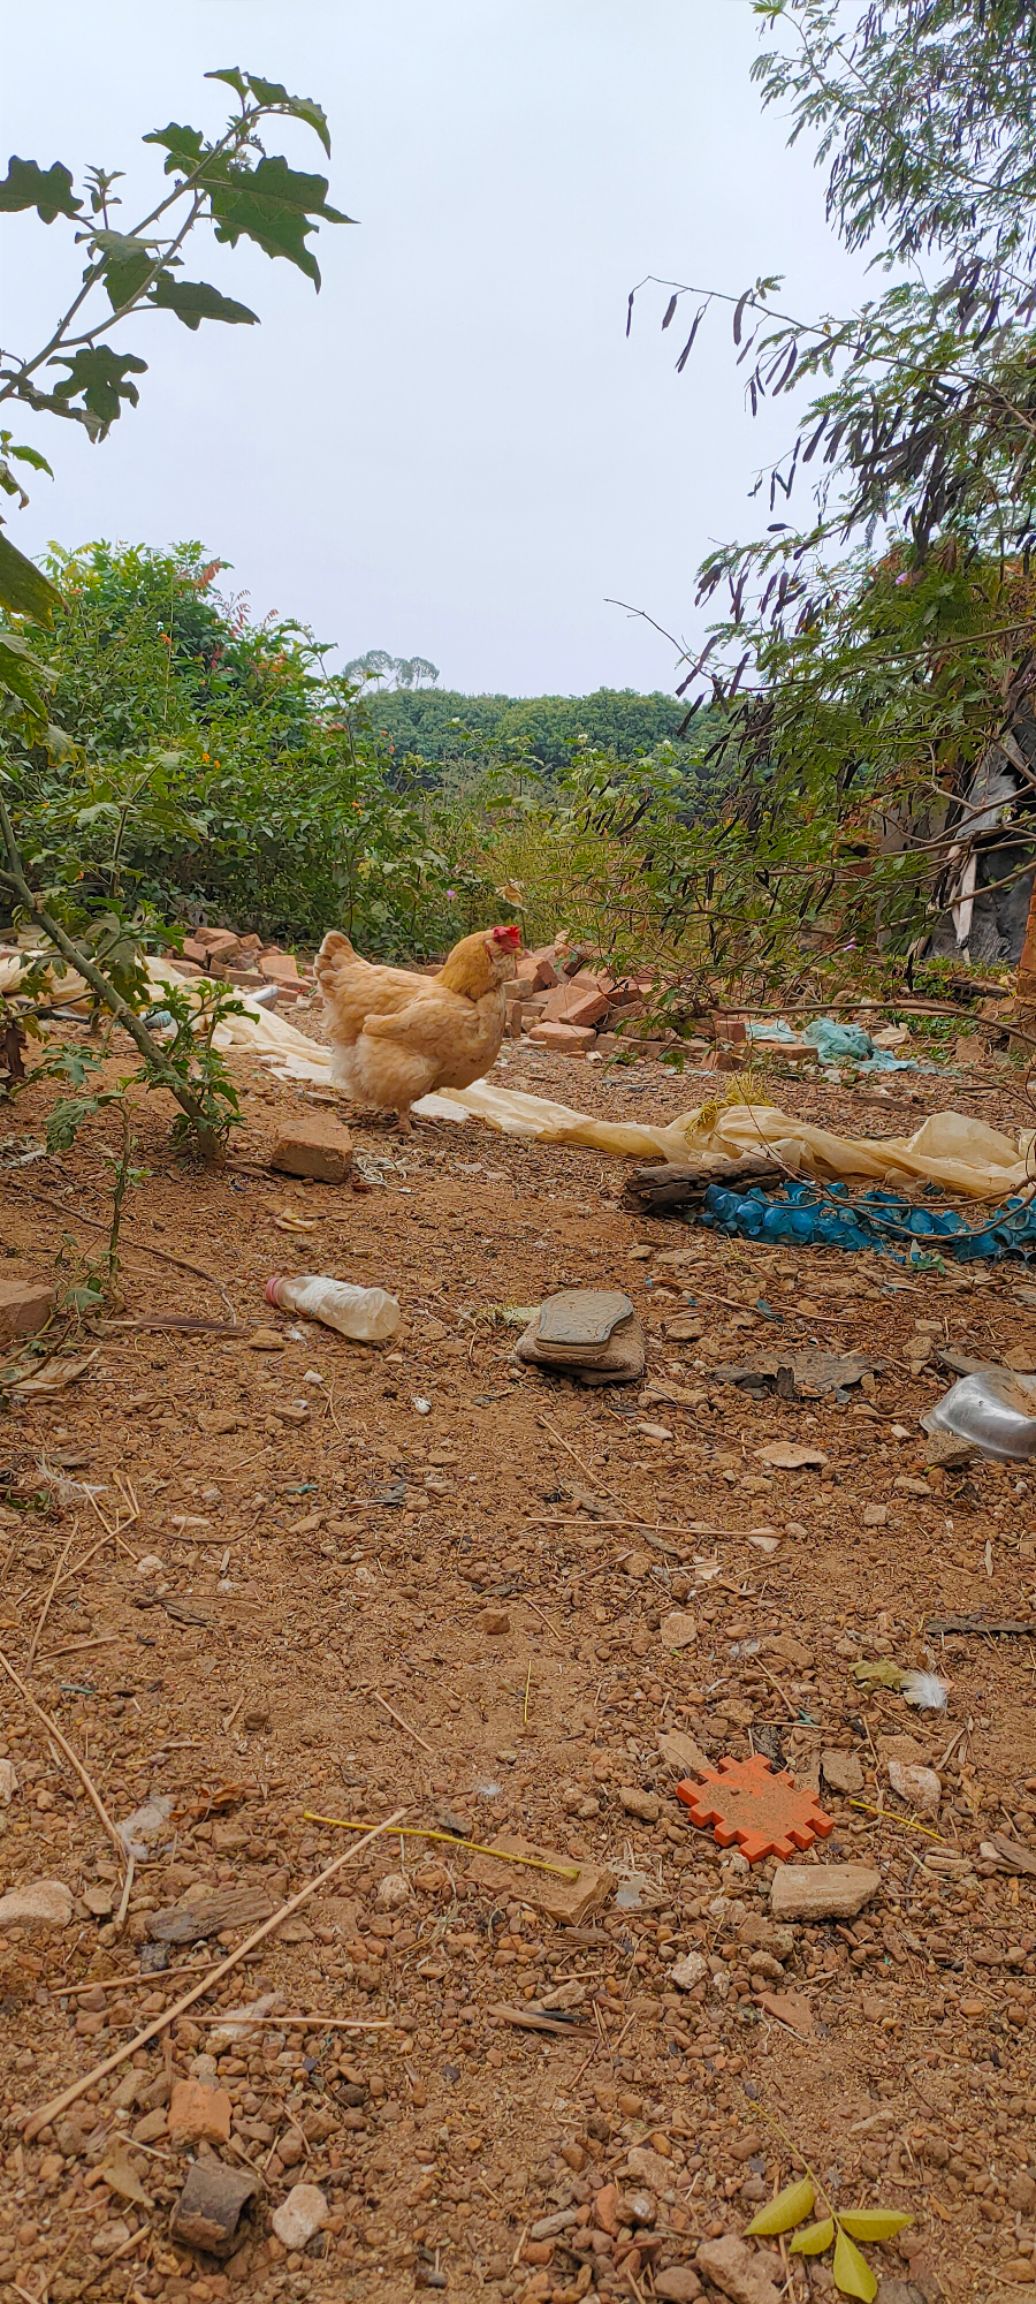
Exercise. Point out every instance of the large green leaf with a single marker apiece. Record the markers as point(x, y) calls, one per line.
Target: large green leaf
point(274, 95)
point(102, 377)
point(24, 589)
point(22, 674)
point(125, 263)
point(48, 190)
point(274, 205)
point(183, 146)
point(194, 301)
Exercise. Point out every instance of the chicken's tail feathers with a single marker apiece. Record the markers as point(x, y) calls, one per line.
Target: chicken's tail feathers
point(335, 947)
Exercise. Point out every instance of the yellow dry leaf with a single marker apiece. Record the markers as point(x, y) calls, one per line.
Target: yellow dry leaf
point(814, 2240)
point(782, 2213)
point(852, 2272)
point(874, 2223)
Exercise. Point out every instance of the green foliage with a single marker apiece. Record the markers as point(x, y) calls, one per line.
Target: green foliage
point(87, 805)
point(214, 769)
point(442, 724)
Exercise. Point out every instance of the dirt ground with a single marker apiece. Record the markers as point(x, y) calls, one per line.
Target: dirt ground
point(317, 1577)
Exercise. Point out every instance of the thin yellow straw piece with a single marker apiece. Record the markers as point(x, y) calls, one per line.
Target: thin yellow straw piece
point(415, 1832)
point(525, 1705)
point(887, 1817)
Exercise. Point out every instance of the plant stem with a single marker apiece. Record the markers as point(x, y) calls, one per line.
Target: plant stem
point(15, 879)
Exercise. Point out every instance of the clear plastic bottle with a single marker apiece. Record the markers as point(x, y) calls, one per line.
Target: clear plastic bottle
point(368, 1315)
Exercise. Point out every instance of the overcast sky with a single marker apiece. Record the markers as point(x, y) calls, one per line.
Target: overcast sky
point(452, 451)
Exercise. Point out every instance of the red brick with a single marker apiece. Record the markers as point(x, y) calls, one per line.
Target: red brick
point(193, 950)
point(732, 1029)
point(579, 1002)
point(25, 1307)
point(219, 943)
point(564, 1039)
point(536, 971)
point(321, 1149)
point(279, 967)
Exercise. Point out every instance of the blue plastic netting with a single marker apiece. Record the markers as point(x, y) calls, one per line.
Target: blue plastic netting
point(804, 1217)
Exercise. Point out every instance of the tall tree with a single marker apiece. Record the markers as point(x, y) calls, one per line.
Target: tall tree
point(873, 648)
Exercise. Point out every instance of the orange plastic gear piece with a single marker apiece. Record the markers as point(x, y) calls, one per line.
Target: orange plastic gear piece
point(764, 1810)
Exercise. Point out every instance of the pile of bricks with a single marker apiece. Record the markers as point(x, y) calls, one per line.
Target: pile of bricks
point(245, 961)
point(565, 1000)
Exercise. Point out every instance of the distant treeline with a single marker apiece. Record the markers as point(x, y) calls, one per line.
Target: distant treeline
point(444, 725)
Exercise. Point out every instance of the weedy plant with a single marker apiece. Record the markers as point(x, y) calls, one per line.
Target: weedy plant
point(840, 2229)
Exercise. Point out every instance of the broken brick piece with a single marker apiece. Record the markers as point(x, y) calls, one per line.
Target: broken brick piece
point(761, 1809)
point(563, 1889)
point(320, 1149)
point(25, 1307)
point(219, 943)
point(563, 1039)
point(278, 967)
point(199, 2114)
point(578, 1001)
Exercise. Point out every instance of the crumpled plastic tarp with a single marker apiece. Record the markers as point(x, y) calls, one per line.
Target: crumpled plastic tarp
point(837, 1043)
point(948, 1149)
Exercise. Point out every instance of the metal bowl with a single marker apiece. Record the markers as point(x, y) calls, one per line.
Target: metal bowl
point(995, 1409)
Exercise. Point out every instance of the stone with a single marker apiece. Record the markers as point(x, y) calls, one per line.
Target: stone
point(678, 1630)
point(208, 2211)
point(562, 1039)
point(319, 1149)
point(606, 2209)
point(791, 2009)
point(304, 2212)
point(921, 1788)
point(265, 1340)
point(1021, 2194)
point(244, 2023)
point(42, 1904)
point(8, 1782)
point(567, 1893)
point(682, 1754)
point(841, 1771)
point(25, 1307)
point(199, 2114)
point(677, 2284)
point(822, 1891)
point(648, 2167)
point(644, 1805)
point(875, 1515)
point(495, 1622)
point(949, 1450)
point(393, 1890)
point(738, 2270)
point(689, 1971)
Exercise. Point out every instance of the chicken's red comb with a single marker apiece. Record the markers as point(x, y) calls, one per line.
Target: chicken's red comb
point(510, 933)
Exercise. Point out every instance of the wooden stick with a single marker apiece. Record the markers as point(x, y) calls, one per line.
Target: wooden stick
point(87, 1782)
point(125, 1983)
point(319, 2023)
point(160, 2024)
point(44, 1611)
point(398, 1718)
point(76, 1647)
